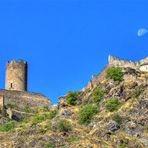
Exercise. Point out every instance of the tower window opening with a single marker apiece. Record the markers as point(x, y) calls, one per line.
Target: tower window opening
point(11, 85)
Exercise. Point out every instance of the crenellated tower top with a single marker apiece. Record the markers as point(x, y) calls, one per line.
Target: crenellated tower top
point(16, 75)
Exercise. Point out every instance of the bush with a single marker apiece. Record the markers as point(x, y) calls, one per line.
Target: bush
point(117, 118)
point(112, 104)
point(114, 73)
point(64, 125)
point(52, 114)
point(7, 126)
point(72, 97)
point(87, 113)
point(97, 94)
point(137, 92)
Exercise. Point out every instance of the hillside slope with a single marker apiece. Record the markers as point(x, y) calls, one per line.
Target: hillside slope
point(110, 112)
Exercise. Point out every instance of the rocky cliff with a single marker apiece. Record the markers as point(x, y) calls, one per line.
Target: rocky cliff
point(110, 112)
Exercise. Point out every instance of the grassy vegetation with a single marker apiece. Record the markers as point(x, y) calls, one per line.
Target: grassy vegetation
point(117, 118)
point(7, 126)
point(72, 97)
point(112, 104)
point(11, 104)
point(22, 125)
point(122, 145)
point(98, 94)
point(39, 118)
point(52, 114)
point(87, 113)
point(64, 125)
point(115, 73)
point(49, 145)
point(72, 138)
point(27, 108)
point(137, 92)
point(85, 102)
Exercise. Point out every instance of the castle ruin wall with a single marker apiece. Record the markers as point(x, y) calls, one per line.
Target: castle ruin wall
point(141, 65)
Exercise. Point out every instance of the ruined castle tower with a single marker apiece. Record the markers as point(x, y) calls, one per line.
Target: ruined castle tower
point(16, 75)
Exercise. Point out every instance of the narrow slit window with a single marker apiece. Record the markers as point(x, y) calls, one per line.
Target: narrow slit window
point(11, 85)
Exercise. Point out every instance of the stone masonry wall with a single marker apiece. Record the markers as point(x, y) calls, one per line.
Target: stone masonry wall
point(26, 98)
point(16, 75)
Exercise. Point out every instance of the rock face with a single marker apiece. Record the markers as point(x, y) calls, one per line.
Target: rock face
point(132, 119)
point(126, 126)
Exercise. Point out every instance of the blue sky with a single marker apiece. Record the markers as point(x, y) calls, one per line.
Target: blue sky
point(65, 42)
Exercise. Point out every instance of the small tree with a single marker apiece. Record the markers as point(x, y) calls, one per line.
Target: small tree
point(112, 104)
point(72, 97)
point(87, 113)
point(97, 94)
point(114, 73)
point(64, 125)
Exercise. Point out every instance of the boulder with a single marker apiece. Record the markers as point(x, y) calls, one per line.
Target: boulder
point(112, 126)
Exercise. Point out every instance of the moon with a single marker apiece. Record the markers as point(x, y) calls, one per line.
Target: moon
point(141, 32)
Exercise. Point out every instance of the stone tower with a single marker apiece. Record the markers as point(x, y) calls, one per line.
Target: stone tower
point(16, 75)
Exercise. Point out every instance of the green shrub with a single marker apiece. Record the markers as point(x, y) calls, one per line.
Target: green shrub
point(52, 114)
point(117, 118)
point(49, 145)
point(137, 92)
point(114, 73)
point(72, 97)
point(27, 109)
point(64, 125)
point(112, 104)
point(87, 113)
point(12, 104)
point(7, 126)
point(97, 94)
